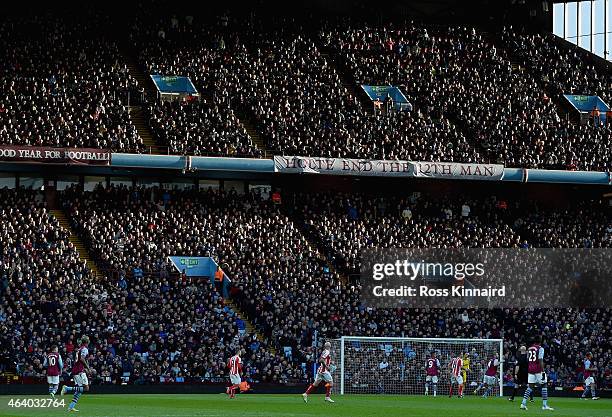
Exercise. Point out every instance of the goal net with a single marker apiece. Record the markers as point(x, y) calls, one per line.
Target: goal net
point(396, 365)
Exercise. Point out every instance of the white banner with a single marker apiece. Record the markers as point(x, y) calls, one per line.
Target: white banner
point(342, 166)
point(454, 170)
point(367, 167)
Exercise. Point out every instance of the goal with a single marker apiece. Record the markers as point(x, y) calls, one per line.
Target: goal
point(396, 365)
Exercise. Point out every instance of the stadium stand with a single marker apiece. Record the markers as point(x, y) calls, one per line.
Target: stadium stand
point(476, 96)
point(61, 86)
point(563, 68)
point(200, 128)
point(288, 289)
point(207, 126)
point(470, 100)
point(294, 94)
point(469, 77)
point(149, 330)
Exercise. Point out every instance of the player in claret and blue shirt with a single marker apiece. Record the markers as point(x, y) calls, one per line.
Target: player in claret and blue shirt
point(489, 381)
point(54, 364)
point(536, 374)
point(432, 371)
point(589, 379)
point(78, 374)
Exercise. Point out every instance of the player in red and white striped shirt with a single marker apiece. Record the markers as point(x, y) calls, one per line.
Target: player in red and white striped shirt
point(456, 377)
point(323, 374)
point(235, 369)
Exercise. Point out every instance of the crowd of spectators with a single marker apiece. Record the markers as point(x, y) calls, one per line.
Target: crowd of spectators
point(285, 285)
point(564, 68)
point(469, 77)
point(200, 128)
point(265, 252)
point(294, 94)
point(207, 125)
point(470, 101)
point(289, 289)
point(61, 85)
point(144, 330)
point(475, 96)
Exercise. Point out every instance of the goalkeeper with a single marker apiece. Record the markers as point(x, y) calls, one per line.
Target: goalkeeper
point(465, 368)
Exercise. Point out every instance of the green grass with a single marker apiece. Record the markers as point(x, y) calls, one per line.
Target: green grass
point(259, 405)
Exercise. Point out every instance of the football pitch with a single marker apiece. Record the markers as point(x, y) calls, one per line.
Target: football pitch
point(259, 405)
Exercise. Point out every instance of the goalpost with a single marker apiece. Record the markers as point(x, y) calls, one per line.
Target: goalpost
point(396, 365)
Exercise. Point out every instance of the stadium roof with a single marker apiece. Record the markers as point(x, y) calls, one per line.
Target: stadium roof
point(457, 11)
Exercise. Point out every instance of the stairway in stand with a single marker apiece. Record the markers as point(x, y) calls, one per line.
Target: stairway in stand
point(249, 126)
point(137, 113)
point(76, 242)
point(135, 70)
point(347, 79)
point(250, 329)
point(246, 121)
point(519, 65)
point(144, 131)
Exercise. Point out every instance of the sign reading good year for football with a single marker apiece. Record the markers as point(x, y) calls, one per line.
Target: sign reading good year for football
point(55, 155)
